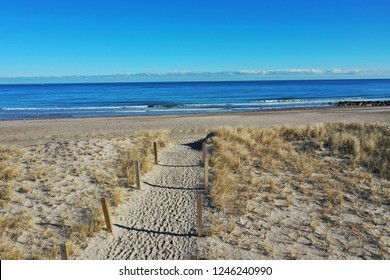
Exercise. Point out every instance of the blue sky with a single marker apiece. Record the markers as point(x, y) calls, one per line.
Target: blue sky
point(324, 38)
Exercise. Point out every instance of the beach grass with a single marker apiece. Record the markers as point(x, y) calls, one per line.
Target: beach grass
point(9, 157)
point(50, 193)
point(321, 188)
point(141, 150)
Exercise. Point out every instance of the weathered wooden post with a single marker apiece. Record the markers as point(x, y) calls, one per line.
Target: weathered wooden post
point(64, 252)
point(106, 214)
point(137, 175)
point(200, 219)
point(155, 152)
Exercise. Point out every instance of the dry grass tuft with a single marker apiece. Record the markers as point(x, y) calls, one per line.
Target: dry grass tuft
point(91, 221)
point(8, 171)
point(14, 226)
point(9, 158)
point(141, 150)
point(6, 192)
point(9, 252)
point(115, 196)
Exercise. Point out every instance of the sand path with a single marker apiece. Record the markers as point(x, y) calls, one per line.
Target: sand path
point(160, 220)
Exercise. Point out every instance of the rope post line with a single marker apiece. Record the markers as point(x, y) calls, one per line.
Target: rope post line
point(64, 252)
point(155, 152)
point(137, 174)
point(200, 219)
point(106, 214)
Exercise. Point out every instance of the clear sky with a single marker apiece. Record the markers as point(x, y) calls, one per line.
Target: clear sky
point(106, 37)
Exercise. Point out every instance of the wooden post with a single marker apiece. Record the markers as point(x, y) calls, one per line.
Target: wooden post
point(155, 152)
point(200, 220)
point(137, 175)
point(64, 252)
point(106, 214)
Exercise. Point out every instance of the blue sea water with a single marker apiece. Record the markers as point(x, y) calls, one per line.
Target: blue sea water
point(123, 99)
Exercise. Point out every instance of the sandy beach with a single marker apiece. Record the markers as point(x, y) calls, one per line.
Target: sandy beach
point(25, 132)
point(63, 166)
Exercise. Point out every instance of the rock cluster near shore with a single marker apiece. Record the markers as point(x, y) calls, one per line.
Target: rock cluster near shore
point(362, 103)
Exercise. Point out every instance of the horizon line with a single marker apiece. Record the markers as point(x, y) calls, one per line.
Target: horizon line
point(188, 76)
point(198, 81)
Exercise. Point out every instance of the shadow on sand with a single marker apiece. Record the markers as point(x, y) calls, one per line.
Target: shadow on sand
point(156, 232)
point(173, 188)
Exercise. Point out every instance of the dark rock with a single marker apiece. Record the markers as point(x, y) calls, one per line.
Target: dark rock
point(362, 103)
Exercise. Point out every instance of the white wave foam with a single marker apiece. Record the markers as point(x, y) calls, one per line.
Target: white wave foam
point(184, 110)
point(72, 108)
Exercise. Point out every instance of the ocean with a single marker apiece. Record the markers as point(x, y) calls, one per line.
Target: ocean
point(132, 99)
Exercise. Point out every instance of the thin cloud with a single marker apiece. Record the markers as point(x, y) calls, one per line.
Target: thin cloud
point(258, 72)
point(298, 73)
point(301, 72)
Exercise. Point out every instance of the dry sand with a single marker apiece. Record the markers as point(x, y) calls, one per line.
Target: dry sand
point(67, 162)
point(159, 221)
point(41, 131)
